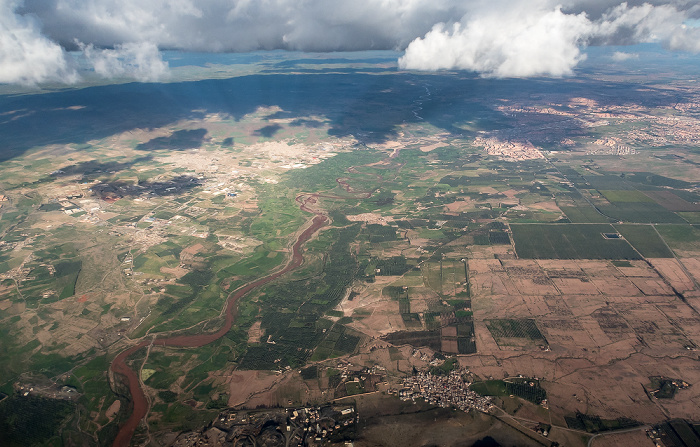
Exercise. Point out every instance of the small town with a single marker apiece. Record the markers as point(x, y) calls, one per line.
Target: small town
point(444, 390)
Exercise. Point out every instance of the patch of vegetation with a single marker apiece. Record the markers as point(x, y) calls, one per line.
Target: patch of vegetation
point(569, 241)
point(165, 215)
point(664, 387)
point(489, 388)
point(167, 396)
point(68, 268)
point(497, 237)
point(50, 207)
point(395, 292)
point(352, 388)
point(626, 196)
point(32, 420)
point(679, 432)
point(309, 373)
point(583, 214)
point(380, 233)
point(645, 239)
point(691, 217)
point(184, 417)
point(447, 367)
point(514, 328)
point(394, 266)
point(640, 212)
point(681, 237)
point(322, 176)
point(430, 339)
point(338, 341)
point(528, 389)
point(383, 198)
point(649, 178)
point(292, 311)
point(594, 424)
point(338, 218)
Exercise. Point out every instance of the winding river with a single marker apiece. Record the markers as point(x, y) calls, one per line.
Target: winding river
point(119, 366)
point(306, 203)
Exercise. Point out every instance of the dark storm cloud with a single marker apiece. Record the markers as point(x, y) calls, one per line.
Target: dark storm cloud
point(493, 37)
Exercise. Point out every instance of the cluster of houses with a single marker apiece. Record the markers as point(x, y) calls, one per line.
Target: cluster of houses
point(448, 390)
point(317, 424)
point(290, 427)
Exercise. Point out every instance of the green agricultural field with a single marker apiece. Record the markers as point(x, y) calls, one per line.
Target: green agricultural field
point(640, 212)
point(528, 389)
point(279, 215)
point(323, 176)
point(578, 210)
point(569, 241)
point(32, 420)
point(681, 237)
point(608, 182)
point(260, 263)
point(645, 239)
point(616, 195)
point(433, 275)
point(396, 265)
point(691, 217)
point(490, 388)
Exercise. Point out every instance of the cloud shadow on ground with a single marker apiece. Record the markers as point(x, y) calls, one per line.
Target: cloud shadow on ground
point(367, 106)
point(179, 141)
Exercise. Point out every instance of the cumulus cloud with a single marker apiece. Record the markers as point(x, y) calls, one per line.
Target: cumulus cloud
point(26, 56)
point(685, 38)
point(141, 61)
point(645, 23)
point(493, 37)
point(516, 41)
point(533, 38)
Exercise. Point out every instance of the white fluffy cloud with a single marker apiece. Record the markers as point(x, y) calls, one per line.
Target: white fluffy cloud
point(493, 37)
point(533, 38)
point(29, 57)
point(141, 61)
point(685, 38)
point(517, 41)
point(26, 56)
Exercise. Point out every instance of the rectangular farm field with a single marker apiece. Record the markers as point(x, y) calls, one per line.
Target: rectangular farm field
point(583, 214)
point(621, 195)
point(640, 212)
point(645, 239)
point(672, 202)
point(681, 237)
point(569, 241)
